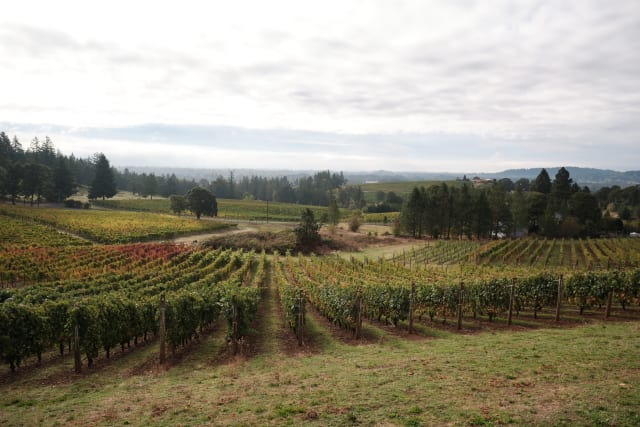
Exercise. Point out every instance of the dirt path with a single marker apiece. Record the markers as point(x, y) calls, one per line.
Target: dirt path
point(198, 238)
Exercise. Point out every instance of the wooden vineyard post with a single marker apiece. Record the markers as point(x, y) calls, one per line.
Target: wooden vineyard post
point(513, 287)
point(559, 302)
point(234, 324)
point(460, 302)
point(607, 310)
point(358, 331)
point(300, 322)
point(163, 307)
point(77, 362)
point(412, 296)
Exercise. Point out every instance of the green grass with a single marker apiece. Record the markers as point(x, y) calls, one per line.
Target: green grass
point(252, 210)
point(580, 376)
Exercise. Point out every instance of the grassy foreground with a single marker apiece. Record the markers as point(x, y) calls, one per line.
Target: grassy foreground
point(586, 375)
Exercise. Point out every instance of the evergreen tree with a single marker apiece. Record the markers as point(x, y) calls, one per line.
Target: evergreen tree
point(482, 216)
point(149, 185)
point(333, 211)
point(35, 181)
point(463, 207)
point(536, 205)
point(13, 180)
point(3, 181)
point(561, 191)
point(584, 206)
point(63, 182)
point(172, 185)
point(103, 184)
point(308, 231)
point(542, 183)
point(6, 151)
point(549, 222)
point(411, 215)
point(519, 210)
point(500, 212)
point(18, 151)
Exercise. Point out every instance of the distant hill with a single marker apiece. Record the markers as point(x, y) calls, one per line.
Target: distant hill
point(593, 178)
point(590, 177)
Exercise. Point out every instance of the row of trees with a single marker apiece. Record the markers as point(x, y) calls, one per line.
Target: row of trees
point(624, 201)
point(558, 208)
point(317, 189)
point(42, 172)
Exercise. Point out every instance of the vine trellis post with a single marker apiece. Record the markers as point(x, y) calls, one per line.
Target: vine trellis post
point(163, 329)
point(559, 300)
point(511, 293)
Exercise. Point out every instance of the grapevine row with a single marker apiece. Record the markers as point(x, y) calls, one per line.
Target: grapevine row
point(117, 308)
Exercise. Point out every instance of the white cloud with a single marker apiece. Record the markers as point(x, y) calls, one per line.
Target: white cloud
point(531, 75)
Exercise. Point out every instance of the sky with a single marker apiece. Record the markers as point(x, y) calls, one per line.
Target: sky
point(432, 86)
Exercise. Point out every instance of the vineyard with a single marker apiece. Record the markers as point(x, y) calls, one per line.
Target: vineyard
point(562, 253)
point(111, 226)
point(441, 252)
point(111, 293)
point(23, 233)
point(110, 296)
point(557, 254)
point(351, 340)
point(346, 291)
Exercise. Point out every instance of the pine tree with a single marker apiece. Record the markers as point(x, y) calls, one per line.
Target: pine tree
point(308, 231)
point(333, 211)
point(483, 217)
point(104, 183)
point(63, 182)
point(542, 183)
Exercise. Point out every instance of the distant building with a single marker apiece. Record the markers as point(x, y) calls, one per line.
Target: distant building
point(477, 181)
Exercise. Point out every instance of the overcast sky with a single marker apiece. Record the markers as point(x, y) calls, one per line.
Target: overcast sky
point(346, 85)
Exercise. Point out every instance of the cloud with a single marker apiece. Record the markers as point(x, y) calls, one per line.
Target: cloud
point(521, 75)
point(222, 147)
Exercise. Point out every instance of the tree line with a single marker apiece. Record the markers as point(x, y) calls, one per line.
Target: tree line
point(41, 172)
point(317, 189)
point(552, 208)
